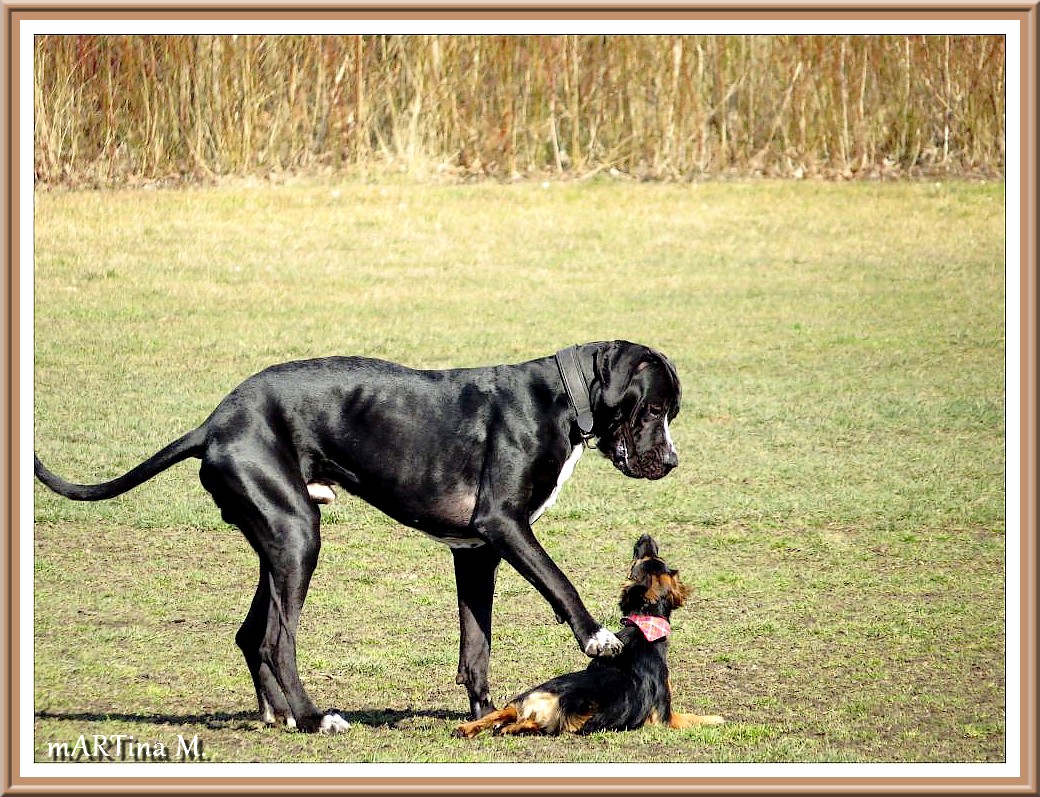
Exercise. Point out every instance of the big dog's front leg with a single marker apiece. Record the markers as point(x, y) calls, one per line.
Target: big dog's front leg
point(513, 539)
point(475, 570)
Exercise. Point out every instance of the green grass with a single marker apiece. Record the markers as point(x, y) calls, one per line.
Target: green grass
point(838, 509)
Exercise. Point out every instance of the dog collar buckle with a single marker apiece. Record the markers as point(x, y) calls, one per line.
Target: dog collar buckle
point(577, 388)
point(585, 425)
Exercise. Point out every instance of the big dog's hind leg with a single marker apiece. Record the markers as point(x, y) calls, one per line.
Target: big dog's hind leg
point(274, 709)
point(281, 523)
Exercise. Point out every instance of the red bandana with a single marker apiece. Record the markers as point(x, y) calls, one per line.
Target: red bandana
point(653, 628)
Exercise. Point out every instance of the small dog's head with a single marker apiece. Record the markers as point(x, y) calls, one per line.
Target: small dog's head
point(652, 587)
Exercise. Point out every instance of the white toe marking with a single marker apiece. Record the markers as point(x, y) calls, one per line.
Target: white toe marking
point(604, 643)
point(565, 473)
point(267, 713)
point(333, 723)
point(320, 493)
point(268, 716)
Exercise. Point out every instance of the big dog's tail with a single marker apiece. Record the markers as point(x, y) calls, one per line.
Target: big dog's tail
point(190, 445)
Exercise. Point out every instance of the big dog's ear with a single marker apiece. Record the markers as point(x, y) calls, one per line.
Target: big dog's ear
point(615, 368)
point(674, 375)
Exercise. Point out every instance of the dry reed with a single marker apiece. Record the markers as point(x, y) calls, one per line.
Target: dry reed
point(111, 109)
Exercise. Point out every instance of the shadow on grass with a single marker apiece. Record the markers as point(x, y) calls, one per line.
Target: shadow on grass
point(375, 718)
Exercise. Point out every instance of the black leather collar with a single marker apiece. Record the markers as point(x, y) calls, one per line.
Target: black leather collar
point(577, 387)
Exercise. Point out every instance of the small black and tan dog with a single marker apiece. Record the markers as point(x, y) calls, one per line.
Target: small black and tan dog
point(621, 693)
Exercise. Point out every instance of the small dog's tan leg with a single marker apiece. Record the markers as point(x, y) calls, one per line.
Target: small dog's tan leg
point(503, 716)
point(528, 727)
point(689, 720)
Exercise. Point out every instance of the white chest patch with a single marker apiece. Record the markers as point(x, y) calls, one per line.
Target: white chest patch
point(565, 473)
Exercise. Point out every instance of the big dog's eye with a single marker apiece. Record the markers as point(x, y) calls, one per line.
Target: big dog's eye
point(653, 410)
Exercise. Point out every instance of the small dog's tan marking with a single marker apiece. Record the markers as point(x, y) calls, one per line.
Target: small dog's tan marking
point(543, 708)
point(669, 587)
point(680, 721)
point(495, 719)
point(689, 720)
point(575, 722)
point(528, 727)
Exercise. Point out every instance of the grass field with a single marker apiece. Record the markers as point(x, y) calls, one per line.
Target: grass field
point(838, 508)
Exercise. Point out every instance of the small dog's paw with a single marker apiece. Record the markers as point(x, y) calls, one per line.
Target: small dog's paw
point(333, 723)
point(713, 719)
point(603, 643)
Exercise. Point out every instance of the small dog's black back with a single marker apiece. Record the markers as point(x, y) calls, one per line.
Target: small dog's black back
point(622, 693)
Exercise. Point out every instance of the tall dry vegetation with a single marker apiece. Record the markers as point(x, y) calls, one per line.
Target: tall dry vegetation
point(117, 108)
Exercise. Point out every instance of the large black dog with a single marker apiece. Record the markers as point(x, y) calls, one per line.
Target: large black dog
point(471, 457)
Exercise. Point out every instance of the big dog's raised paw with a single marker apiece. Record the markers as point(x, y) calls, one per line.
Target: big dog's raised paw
point(604, 643)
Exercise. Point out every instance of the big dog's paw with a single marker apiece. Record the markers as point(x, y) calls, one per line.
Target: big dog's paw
point(320, 493)
point(333, 723)
point(603, 643)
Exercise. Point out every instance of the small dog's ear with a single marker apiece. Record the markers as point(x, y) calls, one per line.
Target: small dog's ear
point(678, 593)
point(633, 597)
